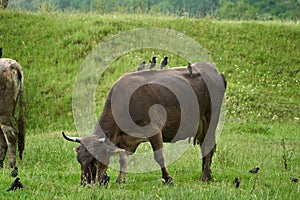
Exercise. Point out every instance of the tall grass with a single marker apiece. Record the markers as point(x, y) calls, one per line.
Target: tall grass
point(50, 170)
point(259, 59)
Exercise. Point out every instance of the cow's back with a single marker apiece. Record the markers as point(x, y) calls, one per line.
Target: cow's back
point(156, 88)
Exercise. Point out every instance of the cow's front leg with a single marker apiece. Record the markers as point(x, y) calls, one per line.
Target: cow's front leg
point(123, 167)
point(11, 140)
point(157, 146)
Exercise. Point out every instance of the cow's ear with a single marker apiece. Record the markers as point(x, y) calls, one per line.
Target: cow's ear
point(76, 149)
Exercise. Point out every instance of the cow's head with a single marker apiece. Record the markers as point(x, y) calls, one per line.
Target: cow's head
point(93, 155)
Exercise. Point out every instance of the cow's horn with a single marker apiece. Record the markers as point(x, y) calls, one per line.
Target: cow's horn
point(72, 139)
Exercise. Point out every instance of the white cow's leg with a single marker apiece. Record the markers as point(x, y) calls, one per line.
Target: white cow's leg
point(11, 140)
point(3, 148)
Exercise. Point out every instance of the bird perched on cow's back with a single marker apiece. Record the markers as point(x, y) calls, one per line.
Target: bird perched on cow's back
point(236, 182)
point(14, 172)
point(141, 66)
point(294, 179)
point(16, 185)
point(152, 62)
point(0, 52)
point(189, 67)
point(254, 170)
point(164, 62)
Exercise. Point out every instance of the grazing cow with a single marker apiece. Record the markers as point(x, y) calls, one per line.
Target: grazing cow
point(11, 91)
point(208, 86)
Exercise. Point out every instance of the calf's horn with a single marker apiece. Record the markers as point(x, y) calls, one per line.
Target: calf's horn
point(72, 139)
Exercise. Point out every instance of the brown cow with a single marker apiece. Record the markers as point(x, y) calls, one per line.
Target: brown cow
point(11, 91)
point(197, 112)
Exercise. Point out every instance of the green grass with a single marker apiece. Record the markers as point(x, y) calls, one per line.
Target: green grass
point(259, 59)
point(50, 170)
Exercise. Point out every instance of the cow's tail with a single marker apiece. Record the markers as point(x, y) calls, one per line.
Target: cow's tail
point(224, 81)
point(21, 123)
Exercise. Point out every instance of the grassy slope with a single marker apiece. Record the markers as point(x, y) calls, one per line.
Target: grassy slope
point(259, 59)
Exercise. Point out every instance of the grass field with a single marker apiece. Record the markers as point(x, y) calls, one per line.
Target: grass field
point(260, 60)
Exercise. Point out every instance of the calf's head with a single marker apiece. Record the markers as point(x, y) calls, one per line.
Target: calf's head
point(93, 155)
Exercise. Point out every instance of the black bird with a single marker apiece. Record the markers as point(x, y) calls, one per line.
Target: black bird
point(254, 170)
point(0, 52)
point(14, 172)
point(236, 182)
point(189, 67)
point(152, 62)
point(142, 66)
point(294, 179)
point(164, 62)
point(16, 185)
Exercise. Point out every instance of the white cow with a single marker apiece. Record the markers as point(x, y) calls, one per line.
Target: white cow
point(11, 91)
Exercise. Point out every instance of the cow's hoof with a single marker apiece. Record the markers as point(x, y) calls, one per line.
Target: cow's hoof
point(168, 181)
point(120, 181)
point(205, 178)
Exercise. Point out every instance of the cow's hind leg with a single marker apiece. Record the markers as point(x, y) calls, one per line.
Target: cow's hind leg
point(208, 146)
point(3, 148)
point(157, 146)
point(11, 140)
point(206, 163)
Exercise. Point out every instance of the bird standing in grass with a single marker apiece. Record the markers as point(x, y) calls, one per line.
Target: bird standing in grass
point(189, 67)
point(141, 66)
point(152, 62)
point(254, 170)
point(164, 62)
point(236, 182)
point(14, 172)
point(294, 179)
point(16, 185)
